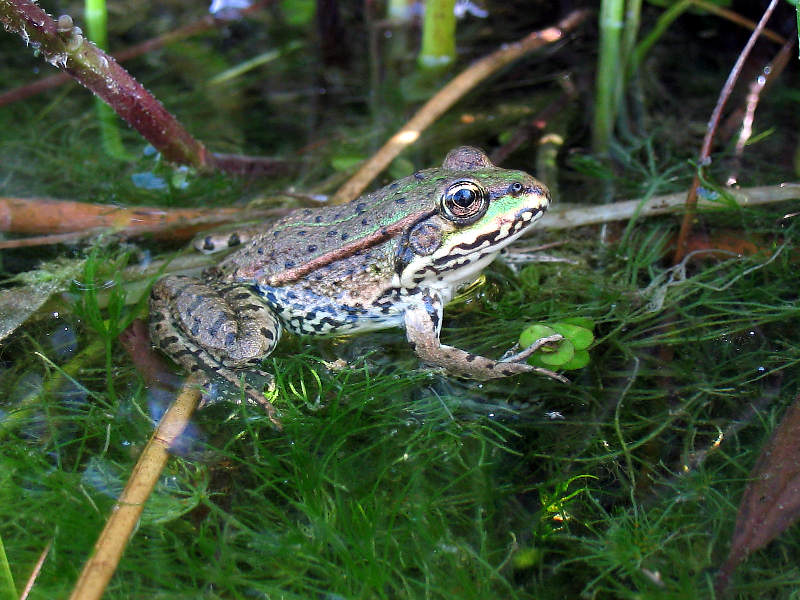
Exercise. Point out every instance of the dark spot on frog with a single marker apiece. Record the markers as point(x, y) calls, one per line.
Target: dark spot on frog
point(333, 233)
point(230, 339)
point(361, 208)
point(267, 333)
point(195, 305)
point(312, 248)
point(394, 186)
point(345, 236)
point(214, 329)
point(275, 233)
point(260, 250)
point(302, 232)
point(318, 219)
point(471, 357)
point(364, 222)
point(307, 212)
point(507, 372)
point(234, 240)
point(400, 200)
point(419, 176)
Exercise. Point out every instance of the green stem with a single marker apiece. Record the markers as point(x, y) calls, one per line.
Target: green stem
point(7, 588)
point(664, 21)
point(438, 35)
point(608, 70)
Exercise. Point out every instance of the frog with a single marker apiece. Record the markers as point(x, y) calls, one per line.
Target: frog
point(391, 258)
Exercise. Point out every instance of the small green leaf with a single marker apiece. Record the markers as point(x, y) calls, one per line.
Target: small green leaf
point(581, 337)
point(553, 357)
point(584, 322)
point(580, 360)
point(535, 332)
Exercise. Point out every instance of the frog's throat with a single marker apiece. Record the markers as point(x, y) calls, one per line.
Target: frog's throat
point(368, 241)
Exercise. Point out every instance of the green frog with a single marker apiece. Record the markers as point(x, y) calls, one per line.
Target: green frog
point(394, 257)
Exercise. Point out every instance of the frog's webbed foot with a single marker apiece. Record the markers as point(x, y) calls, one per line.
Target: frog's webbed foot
point(423, 324)
point(216, 330)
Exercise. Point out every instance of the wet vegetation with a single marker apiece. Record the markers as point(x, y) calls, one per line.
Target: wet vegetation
point(389, 481)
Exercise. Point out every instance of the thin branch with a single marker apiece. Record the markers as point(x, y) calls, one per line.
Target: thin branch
point(565, 216)
point(705, 151)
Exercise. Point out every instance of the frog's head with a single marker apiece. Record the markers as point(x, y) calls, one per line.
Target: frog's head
point(478, 210)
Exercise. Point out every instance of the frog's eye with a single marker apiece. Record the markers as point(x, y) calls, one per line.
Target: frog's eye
point(464, 202)
point(516, 188)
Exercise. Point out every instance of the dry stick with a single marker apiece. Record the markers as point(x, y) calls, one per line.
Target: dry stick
point(705, 151)
point(569, 216)
point(204, 24)
point(448, 96)
point(125, 515)
point(37, 568)
point(46, 216)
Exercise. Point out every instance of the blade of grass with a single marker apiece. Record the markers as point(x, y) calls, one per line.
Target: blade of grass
point(7, 588)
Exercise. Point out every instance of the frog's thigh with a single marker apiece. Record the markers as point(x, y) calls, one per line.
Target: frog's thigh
point(422, 325)
point(231, 324)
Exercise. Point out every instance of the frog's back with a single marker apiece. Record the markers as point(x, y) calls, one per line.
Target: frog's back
point(311, 233)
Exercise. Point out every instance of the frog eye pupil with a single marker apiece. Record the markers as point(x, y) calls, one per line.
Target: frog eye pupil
point(463, 197)
point(515, 188)
point(464, 202)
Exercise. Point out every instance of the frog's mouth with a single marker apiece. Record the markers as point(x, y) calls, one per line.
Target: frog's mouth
point(494, 238)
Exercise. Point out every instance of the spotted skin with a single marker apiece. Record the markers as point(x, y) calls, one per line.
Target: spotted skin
point(394, 257)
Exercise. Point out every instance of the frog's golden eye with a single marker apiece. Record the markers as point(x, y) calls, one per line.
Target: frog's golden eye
point(464, 202)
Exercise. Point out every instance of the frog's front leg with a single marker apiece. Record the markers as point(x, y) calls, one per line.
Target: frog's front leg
point(423, 322)
point(215, 328)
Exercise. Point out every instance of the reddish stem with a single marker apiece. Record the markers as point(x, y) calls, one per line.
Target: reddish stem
point(46, 83)
point(713, 122)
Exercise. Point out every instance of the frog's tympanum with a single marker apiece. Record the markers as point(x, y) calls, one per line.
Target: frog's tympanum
point(391, 258)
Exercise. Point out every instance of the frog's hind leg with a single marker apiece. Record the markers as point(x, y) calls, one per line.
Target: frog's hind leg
point(218, 330)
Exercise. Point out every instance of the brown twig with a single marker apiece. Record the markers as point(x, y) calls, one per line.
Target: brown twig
point(705, 151)
point(449, 95)
point(125, 515)
point(54, 217)
point(37, 568)
point(569, 216)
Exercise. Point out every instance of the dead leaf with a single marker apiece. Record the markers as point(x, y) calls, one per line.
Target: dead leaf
point(771, 501)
